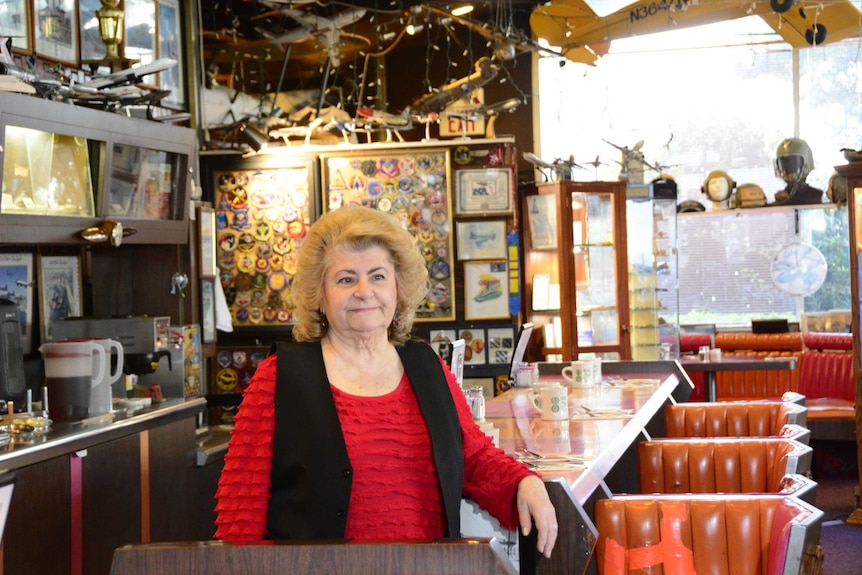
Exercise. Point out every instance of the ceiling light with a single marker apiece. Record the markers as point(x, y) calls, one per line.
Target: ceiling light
point(461, 10)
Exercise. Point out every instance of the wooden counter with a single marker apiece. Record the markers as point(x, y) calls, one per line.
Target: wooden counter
point(82, 491)
point(599, 441)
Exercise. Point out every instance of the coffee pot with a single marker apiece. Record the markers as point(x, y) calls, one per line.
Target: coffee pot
point(72, 369)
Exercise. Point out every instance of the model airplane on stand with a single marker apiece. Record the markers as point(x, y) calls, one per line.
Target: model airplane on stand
point(437, 100)
point(490, 113)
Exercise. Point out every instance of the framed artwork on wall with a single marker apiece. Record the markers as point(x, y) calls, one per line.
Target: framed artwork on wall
point(481, 239)
point(59, 291)
point(413, 186)
point(484, 192)
point(16, 284)
point(542, 220)
point(55, 32)
point(486, 290)
point(262, 215)
point(206, 239)
point(170, 35)
point(474, 345)
point(15, 23)
point(501, 345)
point(208, 319)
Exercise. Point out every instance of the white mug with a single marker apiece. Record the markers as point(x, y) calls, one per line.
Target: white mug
point(552, 401)
point(579, 373)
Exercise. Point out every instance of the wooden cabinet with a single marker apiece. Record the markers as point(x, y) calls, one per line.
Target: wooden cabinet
point(66, 168)
point(575, 269)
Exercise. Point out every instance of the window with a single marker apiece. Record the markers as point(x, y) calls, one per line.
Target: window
point(718, 97)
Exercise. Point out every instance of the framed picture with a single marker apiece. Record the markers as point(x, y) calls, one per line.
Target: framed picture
point(474, 345)
point(56, 31)
point(501, 345)
point(481, 239)
point(59, 291)
point(262, 216)
point(439, 340)
point(170, 46)
point(208, 319)
point(206, 236)
point(140, 37)
point(413, 186)
point(15, 23)
point(16, 284)
point(486, 290)
point(542, 219)
point(484, 192)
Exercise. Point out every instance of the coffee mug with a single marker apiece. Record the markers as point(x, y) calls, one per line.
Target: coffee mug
point(552, 401)
point(579, 373)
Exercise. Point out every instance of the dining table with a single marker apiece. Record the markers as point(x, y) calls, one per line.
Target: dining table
point(710, 367)
point(582, 458)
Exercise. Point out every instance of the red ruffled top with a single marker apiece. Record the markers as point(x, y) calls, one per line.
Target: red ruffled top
point(395, 492)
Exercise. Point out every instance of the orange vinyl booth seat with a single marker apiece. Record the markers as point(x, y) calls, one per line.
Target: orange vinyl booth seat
point(726, 465)
point(737, 419)
point(826, 376)
point(690, 343)
point(741, 385)
point(686, 534)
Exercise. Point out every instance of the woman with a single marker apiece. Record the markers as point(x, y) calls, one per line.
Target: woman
point(357, 432)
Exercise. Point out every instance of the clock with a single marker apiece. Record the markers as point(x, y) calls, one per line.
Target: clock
point(799, 269)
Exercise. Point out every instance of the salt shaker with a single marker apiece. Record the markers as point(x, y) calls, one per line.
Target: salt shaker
point(476, 399)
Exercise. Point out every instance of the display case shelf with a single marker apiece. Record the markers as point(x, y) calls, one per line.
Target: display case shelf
point(66, 168)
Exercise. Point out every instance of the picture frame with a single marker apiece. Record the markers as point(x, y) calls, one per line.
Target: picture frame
point(206, 241)
point(486, 191)
point(486, 290)
point(16, 284)
point(542, 221)
point(59, 291)
point(439, 340)
point(475, 347)
point(501, 344)
point(55, 31)
point(481, 239)
point(15, 23)
point(208, 316)
point(170, 44)
point(414, 186)
point(245, 233)
point(139, 41)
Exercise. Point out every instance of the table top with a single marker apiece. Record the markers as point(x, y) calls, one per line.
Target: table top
point(739, 363)
point(603, 422)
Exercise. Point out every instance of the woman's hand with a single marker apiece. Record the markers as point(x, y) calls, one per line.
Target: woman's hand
point(534, 505)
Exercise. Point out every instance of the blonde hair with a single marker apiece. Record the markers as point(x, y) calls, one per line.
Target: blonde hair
point(356, 228)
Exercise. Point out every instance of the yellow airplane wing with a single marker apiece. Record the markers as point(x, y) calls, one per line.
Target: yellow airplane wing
point(584, 36)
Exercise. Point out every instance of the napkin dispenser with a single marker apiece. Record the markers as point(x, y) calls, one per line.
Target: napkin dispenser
point(13, 387)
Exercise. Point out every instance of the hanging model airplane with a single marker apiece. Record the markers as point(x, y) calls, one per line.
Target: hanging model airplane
point(584, 36)
point(327, 31)
point(436, 101)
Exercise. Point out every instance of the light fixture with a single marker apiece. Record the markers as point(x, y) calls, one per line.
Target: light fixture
point(256, 140)
point(461, 10)
point(111, 27)
point(414, 29)
point(108, 232)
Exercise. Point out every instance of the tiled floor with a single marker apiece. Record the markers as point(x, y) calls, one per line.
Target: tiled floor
point(842, 543)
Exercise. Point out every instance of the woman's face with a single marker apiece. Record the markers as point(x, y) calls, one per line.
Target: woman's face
point(359, 291)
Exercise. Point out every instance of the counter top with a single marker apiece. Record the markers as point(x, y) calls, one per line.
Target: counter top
point(70, 437)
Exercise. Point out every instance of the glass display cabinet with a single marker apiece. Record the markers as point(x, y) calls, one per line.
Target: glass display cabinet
point(653, 272)
point(576, 270)
point(852, 172)
point(66, 168)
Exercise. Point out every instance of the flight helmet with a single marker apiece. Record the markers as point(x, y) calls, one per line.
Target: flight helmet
point(793, 160)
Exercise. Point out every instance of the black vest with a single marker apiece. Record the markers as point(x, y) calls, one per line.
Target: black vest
point(311, 472)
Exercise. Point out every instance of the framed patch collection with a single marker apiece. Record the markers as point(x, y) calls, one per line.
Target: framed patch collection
point(412, 185)
point(261, 219)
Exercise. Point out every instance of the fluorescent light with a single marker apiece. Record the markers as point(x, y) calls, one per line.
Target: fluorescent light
point(461, 10)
